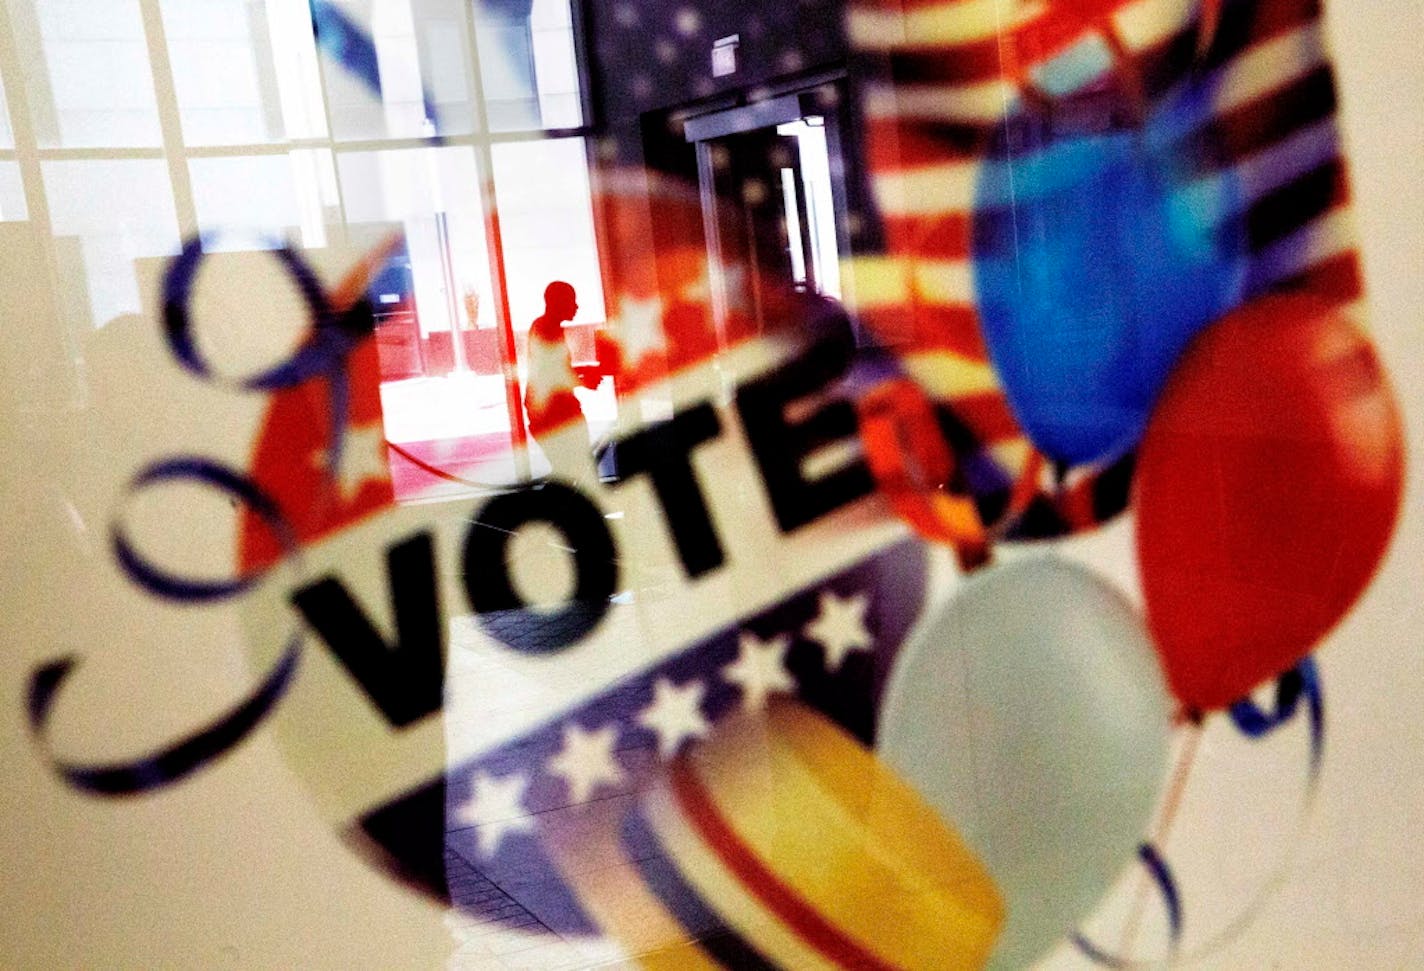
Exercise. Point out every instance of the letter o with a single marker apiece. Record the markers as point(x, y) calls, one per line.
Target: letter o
point(501, 611)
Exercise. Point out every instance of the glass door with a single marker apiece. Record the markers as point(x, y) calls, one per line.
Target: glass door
point(772, 200)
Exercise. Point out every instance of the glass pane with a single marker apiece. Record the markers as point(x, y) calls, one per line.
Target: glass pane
point(556, 64)
point(528, 65)
point(236, 83)
point(106, 215)
point(546, 225)
point(408, 188)
point(296, 68)
point(443, 37)
point(273, 197)
point(96, 89)
point(546, 219)
point(421, 48)
point(443, 388)
point(12, 194)
point(507, 69)
point(7, 133)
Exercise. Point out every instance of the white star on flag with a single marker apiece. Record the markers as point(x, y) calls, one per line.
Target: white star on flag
point(734, 285)
point(760, 669)
point(363, 459)
point(640, 328)
point(839, 627)
point(549, 370)
point(675, 714)
point(586, 760)
point(496, 806)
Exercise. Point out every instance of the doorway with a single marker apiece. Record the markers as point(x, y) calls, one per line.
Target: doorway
point(771, 176)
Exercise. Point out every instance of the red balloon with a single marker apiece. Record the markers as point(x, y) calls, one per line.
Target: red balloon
point(1267, 489)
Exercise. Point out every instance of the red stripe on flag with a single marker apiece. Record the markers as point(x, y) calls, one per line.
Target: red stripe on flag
point(959, 64)
point(893, 144)
point(988, 416)
point(937, 237)
point(909, 329)
point(941, 327)
point(942, 236)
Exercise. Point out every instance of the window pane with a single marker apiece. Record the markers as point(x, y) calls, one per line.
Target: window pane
point(432, 194)
point(12, 194)
point(556, 64)
point(421, 48)
point(7, 133)
point(236, 82)
point(443, 390)
point(546, 219)
point(96, 89)
point(507, 69)
point(443, 38)
point(528, 66)
point(271, 197)
point(106, 215)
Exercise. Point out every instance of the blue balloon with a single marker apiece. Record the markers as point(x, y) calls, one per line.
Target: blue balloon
point(1097, 257)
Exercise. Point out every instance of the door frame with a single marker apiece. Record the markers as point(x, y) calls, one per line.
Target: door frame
point(778, 105)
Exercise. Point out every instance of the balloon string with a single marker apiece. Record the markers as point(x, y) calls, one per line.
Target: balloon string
point(1301, 684)
point(448, 476)
point(1162, 827)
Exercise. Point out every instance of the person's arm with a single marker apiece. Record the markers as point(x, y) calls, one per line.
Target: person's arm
point(608, 361)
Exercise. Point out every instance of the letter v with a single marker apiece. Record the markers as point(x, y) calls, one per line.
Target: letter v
point(406, 680)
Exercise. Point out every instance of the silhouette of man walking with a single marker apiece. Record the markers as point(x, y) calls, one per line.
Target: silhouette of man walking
point(556, 419)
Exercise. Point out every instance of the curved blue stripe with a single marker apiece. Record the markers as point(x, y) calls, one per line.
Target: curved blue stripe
point(1167, 884)
point(327, 346)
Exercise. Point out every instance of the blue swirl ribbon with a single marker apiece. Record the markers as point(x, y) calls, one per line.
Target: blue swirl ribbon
point(171, 586)
point(173, 762)
point(334, 335)
point(1301, 683)
point(314, 358)
point(324, 354)
point(1161, 874)
point(197, 749)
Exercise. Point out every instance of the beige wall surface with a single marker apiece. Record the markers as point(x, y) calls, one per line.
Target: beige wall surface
point(235, 867)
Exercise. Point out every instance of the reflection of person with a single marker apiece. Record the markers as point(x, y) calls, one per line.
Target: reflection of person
point(556, 419)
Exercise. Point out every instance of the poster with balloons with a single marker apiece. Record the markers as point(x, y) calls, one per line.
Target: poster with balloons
point(957, 505)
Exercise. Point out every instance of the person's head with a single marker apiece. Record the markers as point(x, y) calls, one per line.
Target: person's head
point(560, 301)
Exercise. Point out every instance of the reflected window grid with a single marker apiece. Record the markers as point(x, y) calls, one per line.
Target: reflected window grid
point(259, 130)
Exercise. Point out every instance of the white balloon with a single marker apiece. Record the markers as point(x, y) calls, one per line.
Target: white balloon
point(1033, 714)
